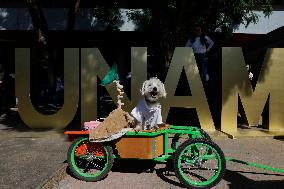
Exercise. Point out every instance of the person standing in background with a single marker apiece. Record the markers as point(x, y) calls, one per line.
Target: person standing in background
point(249, 72)
point(59, 92)
point(201, 45)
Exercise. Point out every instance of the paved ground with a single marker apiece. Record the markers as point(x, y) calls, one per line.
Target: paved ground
point(28, 162)
point(133, 174)
point(28, 158)
point(33, 159)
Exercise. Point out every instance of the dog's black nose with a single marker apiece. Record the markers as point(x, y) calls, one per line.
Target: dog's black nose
point(155, 89)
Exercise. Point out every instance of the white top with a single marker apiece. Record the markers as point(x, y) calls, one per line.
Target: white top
point(197, 47)
point(250, 76)
point(148, 117)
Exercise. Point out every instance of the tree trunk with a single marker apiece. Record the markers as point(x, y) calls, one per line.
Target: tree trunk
point(38, 20)
point(72, 15)
point(40, 53)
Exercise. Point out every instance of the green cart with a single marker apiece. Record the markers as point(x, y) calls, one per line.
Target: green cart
point(197, 161)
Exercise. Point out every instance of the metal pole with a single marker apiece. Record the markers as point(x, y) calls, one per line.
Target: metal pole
point(255, 165)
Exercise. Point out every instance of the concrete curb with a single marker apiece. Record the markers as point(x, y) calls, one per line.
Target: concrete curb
point(54, 179)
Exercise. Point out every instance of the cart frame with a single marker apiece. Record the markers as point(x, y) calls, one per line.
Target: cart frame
point(178, 132)
point(194, 137)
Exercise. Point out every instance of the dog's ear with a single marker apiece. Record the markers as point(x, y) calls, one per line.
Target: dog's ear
point(162, 88)
point(164, 93)
point(143, 88)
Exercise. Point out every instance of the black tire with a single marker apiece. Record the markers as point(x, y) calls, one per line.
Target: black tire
point(221, 163)
point(71, 158)
point(177, 137)
point(174, 144)
point(204, 134)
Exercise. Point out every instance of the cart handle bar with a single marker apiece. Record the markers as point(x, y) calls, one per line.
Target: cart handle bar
point(255, 165)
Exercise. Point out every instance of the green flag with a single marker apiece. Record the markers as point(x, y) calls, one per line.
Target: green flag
point(110, 76)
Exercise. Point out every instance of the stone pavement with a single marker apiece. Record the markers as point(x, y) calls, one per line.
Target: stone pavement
point(133, 174)
point(28, 157)
point(29, 162)
point(37, 159)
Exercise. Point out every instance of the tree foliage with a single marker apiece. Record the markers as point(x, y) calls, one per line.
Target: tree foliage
point(142, 19)
point(215, 15)
point(172, 19)
point(110, 17)
point(175, 19)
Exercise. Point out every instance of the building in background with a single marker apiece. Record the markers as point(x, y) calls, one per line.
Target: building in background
point(17, 30)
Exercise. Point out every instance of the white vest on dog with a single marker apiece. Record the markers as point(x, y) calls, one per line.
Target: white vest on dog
point(148, 117)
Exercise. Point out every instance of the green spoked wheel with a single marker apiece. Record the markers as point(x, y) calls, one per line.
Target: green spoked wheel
point(199, 163)
point(89, 161)
point(175, 141)
point(204, 134)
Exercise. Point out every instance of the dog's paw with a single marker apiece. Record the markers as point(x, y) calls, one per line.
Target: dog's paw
point(138, 128)
point(156, 127)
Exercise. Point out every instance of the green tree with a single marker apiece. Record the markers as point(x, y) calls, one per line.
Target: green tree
point(105, 17)
point(109, 17)
point(172, 19)
point(175, 19)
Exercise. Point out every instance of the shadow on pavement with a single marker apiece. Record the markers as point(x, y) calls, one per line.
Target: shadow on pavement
point(69, 172)
point(13, 122)
point(261, 173)
point(164, 174)
point(127, 166)
point(167, 173)
point(133, 166)
point(140, 166)
point(238, 181)
point(281, 138)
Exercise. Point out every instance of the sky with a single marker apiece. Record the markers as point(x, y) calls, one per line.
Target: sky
point(19, 19)
point(128, 25)
point(265, 24)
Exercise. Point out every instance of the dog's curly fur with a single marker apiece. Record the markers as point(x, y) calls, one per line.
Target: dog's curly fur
point(152, 90)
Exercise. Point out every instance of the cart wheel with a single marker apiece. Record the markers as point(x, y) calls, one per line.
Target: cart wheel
point(204, 134)
point(199, 163)
point(175, 140)
point(89, 161)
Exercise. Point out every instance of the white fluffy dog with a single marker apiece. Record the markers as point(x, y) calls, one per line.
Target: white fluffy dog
point(148, 111)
